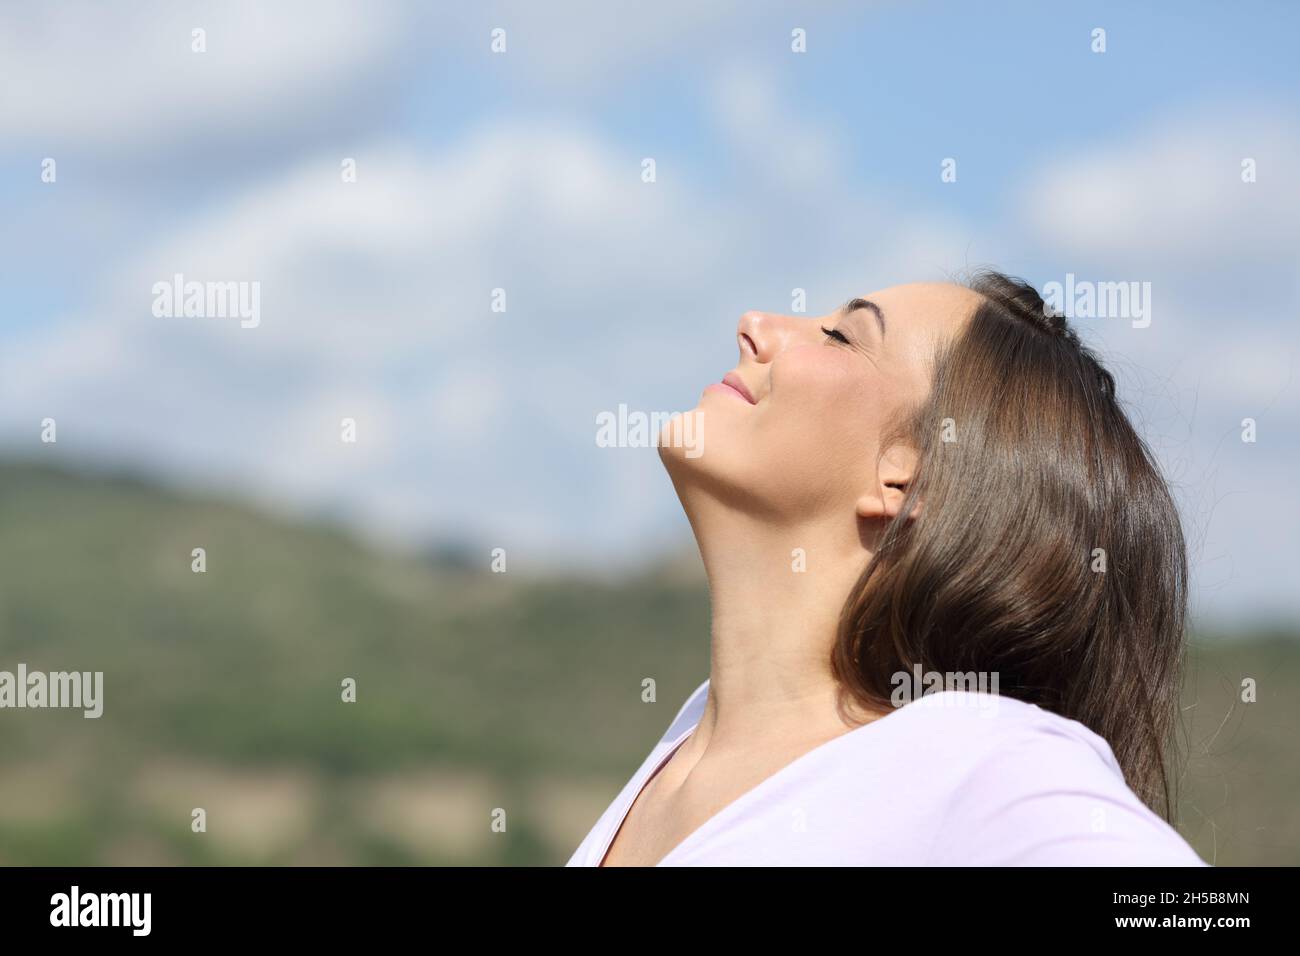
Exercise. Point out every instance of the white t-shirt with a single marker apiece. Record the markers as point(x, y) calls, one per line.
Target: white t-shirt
point(954, 778)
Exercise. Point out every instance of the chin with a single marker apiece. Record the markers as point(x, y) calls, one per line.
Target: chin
point(682, 440)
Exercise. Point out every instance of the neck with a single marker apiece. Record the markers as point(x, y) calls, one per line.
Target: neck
point(776, 592)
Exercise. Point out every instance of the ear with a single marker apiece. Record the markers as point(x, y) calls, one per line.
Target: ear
point(895, 472)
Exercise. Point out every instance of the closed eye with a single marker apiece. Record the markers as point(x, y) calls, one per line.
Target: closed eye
point(837, 335)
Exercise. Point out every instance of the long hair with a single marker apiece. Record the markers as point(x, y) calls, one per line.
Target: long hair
point(1047, 548)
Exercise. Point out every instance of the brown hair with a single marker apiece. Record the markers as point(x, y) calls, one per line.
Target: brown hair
point(1028, 465)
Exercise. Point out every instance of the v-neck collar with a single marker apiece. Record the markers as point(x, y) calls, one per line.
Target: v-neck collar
point(639, 789)
point(749, 795)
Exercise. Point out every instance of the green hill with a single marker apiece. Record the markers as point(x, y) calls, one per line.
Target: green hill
point(475, 691)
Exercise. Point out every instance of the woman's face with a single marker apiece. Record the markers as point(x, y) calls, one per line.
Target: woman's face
point(800, 433)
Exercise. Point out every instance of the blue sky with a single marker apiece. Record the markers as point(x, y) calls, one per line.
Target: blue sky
point(521, 170)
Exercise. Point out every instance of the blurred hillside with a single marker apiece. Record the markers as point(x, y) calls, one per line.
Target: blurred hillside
point(475, 691)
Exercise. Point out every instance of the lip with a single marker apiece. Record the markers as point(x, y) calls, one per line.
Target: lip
point(736, 382)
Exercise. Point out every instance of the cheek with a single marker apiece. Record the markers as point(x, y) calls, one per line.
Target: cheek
point(811, 375)
point(824, 389)
point(824, 413)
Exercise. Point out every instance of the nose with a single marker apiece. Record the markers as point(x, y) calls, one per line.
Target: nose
point(762, 335)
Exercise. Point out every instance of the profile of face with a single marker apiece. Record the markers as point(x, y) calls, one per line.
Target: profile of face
point(795, 432)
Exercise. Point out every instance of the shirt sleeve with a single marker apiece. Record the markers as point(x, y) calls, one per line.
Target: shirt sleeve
point(1044, 796)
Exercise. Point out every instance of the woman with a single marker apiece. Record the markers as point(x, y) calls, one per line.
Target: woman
point(937, 480)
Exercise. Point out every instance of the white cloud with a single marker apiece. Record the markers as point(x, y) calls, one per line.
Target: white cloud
point(797, 152)
point(124, 76)
point(1174, 193)
point(593, 40)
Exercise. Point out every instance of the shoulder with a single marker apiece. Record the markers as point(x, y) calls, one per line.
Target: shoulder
point(1007, 724)
point(1031, 787)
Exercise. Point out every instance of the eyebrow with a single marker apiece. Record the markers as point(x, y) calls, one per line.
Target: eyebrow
point(854, 304)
